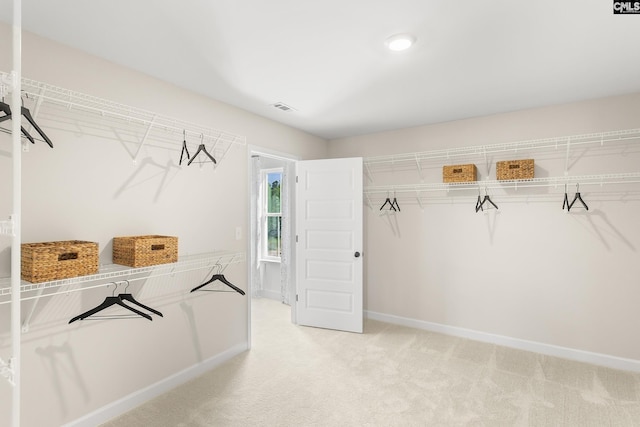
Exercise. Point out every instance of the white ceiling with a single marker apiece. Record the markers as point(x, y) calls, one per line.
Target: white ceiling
point(327, 58)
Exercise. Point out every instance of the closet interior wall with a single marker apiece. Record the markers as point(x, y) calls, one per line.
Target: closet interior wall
point(89, 188)
point(528, 274)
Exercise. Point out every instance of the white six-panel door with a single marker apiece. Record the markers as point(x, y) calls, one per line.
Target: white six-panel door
point(329, 244)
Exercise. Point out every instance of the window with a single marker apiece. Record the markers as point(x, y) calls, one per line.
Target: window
point(272, 213)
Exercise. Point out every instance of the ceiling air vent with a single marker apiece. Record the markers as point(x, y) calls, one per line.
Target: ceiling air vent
point(282, 106)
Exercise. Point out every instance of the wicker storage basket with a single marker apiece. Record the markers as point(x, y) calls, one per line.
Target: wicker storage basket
point(459, 173)
point(46, 261)
point(143, 251)
point(514, 169)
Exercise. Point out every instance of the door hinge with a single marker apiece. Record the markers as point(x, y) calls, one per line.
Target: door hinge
point(296, 238)
point(296, 297)
point(296, 179)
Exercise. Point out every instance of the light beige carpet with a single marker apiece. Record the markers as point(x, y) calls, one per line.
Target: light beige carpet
point(389, 376)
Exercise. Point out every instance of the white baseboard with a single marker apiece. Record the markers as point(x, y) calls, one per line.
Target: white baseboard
point(537, 347)
point(137, 398)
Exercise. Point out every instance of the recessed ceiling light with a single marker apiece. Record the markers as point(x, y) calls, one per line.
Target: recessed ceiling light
point(399, 42)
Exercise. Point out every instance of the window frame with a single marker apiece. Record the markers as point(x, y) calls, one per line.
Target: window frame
point(264, 244)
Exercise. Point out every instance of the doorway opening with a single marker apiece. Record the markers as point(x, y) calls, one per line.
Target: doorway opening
point(271, 230)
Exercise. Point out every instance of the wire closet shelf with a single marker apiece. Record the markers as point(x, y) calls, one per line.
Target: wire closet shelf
point(405, 161)
point(154, 126)
point(604, 179)
point(219, 259)
point(481, 150)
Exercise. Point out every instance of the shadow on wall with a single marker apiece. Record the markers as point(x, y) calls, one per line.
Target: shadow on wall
point(187, 310)
point(61, 364)
point(491, 220)
point(604, 228)
point(143, 173)
point(391, 220)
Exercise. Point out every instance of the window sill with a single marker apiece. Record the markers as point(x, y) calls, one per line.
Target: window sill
point(275, 260)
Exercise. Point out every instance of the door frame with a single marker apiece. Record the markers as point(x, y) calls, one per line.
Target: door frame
point(287, 157)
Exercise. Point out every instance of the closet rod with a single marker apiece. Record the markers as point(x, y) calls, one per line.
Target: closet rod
point(71, 99)
point(604, 179)
point(592, 138)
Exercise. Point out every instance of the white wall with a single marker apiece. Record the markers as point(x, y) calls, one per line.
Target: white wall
point(88, 188)
point(528, 271)
point(271, 287)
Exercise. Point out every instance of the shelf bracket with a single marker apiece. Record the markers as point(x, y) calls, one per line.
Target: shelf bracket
point(566, 159)
point(27, 320)
point(367, 170)
point(213, 149)
point(7, 227)
point(8, 81)
point(419, 168)
point(144, 139)
point(39, 101)
point(6, 370)
point(3, 88)
point(486, 162)
point(368, 201)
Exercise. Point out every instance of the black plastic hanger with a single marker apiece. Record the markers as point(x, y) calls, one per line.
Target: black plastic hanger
point(566, 200)
point(6, 108)
point(27, 114)
point(184, 147)
point(480, 203)
point(577, 197)
point(108, 302)
point(201, 148)
point(393, 205)
point(131, 299)
point(220, 277)
point(387, 201)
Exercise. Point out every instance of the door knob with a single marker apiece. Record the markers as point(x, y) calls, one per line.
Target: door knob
point(357, 254)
